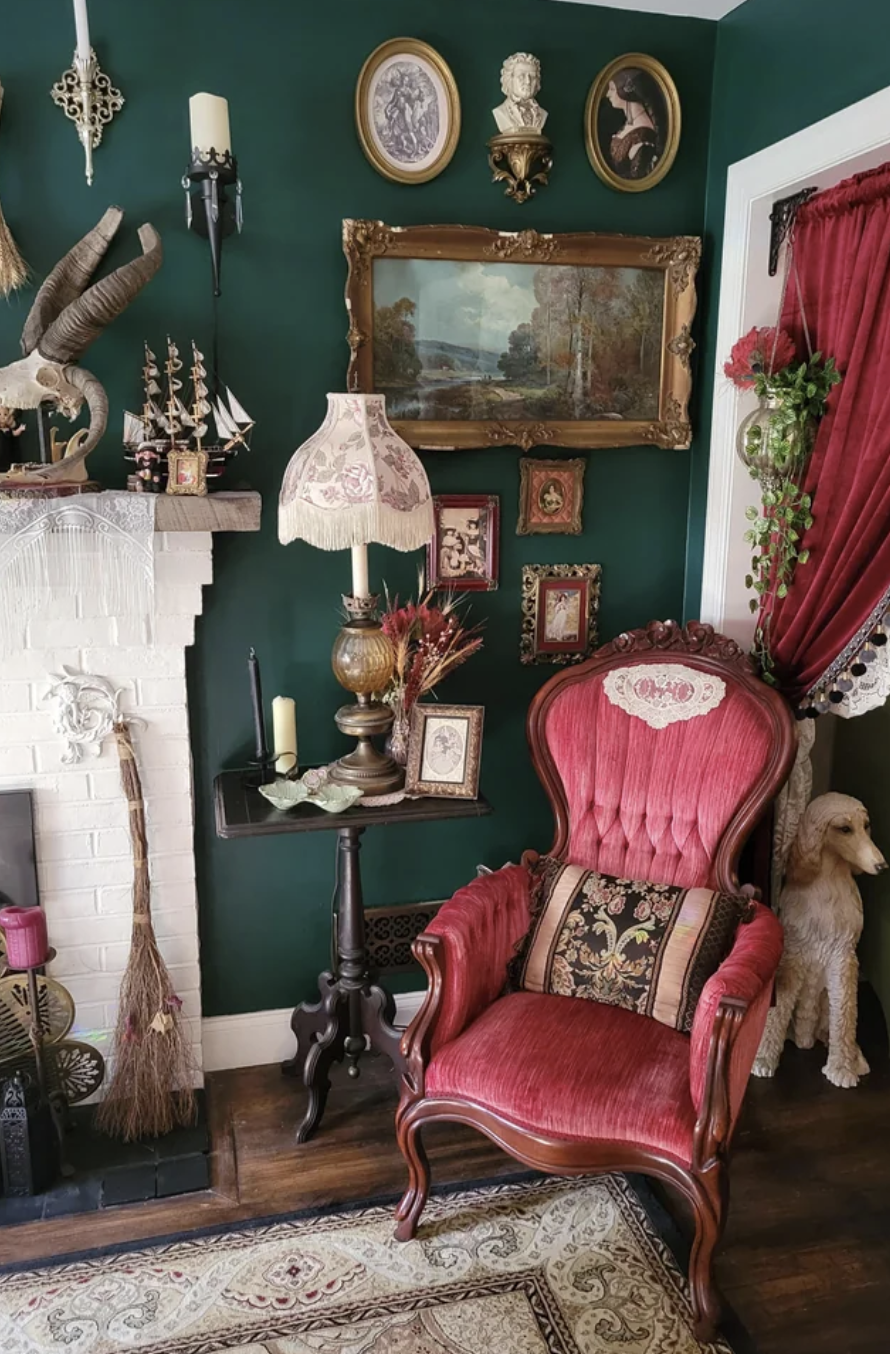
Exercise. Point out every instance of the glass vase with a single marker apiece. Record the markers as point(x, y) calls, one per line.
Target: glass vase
point(397, 738)
point(772, 444)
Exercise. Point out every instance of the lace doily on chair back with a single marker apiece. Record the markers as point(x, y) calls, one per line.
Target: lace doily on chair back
point(663, 693)
point(100, 545)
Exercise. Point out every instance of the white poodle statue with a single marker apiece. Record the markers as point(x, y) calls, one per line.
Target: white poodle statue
point(821, 910)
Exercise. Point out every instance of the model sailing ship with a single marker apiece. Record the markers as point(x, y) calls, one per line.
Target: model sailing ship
point(169, 423)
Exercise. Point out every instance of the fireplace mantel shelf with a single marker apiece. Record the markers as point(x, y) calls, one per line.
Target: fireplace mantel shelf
point(225, 511)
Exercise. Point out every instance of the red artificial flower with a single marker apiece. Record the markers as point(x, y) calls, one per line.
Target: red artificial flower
point(759, 351)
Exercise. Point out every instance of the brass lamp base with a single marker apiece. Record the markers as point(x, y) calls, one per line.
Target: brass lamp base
point(366, 768)
point(362, 661)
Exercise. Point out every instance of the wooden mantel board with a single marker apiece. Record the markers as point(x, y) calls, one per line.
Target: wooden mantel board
point(225, 511)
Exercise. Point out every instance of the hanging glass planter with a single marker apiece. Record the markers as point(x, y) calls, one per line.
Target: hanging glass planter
point(773, 442)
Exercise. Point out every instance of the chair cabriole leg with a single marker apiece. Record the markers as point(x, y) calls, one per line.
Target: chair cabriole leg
point(711, 1201)
point(415, 1197)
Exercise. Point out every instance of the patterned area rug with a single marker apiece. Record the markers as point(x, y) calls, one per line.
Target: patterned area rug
point(548, 1267)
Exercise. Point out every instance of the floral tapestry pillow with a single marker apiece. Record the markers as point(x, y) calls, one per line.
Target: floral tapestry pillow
point(648, 947)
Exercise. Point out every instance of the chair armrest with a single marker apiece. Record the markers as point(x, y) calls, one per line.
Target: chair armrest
point(730, 1017)
point(476, 933)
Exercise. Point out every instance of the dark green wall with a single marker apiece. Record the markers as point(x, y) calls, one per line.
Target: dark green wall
point(780, 66)
point(289, 73)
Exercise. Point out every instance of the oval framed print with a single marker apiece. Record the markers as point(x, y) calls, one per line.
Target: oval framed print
point(407, 111)
point(632, 123)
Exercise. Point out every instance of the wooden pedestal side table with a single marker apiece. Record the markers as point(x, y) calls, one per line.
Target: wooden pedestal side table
point(353, 1011)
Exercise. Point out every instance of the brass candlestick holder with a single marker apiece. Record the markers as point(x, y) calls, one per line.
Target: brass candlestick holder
point(362, 660)
point(86, 96)
point(520, 160)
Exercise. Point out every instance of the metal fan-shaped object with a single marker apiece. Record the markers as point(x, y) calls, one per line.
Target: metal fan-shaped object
point(56, 1013)
point(76, 1070)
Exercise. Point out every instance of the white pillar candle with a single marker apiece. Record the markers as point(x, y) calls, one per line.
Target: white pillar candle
point(82, 25)
point(284, 734)
point(209, 122)
point(360, 586)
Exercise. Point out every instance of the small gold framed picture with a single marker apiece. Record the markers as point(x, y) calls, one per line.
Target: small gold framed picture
point(407, 111)
point(551, 495)
point(560, 603)
point(187, 472)
point(445, 751)
point(632, 123)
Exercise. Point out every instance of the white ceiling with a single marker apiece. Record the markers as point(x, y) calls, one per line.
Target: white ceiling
point(695, 9)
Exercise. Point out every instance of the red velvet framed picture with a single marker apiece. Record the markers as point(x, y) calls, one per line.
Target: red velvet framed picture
point(463, 554)
point(551, 494)
point(560, 603)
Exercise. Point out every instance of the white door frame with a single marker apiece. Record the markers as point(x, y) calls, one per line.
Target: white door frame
point(848, 142)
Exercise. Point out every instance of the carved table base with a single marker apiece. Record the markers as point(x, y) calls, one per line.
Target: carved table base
point(352, 1012)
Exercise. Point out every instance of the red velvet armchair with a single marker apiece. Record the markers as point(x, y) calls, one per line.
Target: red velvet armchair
point(571, 1086)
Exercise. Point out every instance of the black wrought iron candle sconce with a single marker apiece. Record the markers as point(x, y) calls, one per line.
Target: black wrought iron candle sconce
point(218, 215)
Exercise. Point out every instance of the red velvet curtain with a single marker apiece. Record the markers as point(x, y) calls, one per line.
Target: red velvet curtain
point(842, 257)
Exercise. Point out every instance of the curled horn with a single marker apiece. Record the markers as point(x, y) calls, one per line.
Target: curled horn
point(69, 278)
point(94, 393)
point(83, 319)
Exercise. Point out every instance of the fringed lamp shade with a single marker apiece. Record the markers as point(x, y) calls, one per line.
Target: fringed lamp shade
point(355, 481)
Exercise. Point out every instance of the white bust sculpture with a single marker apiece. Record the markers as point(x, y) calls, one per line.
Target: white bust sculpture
point(520, 81)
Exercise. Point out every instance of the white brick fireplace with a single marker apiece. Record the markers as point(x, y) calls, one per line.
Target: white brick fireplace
point(84, 858)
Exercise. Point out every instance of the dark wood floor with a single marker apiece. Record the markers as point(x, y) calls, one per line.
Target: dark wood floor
point(806, 1258)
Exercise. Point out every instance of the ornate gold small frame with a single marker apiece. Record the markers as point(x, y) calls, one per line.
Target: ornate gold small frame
point(540, 518)
point(676, 258)
point(671, 98)
point(422, 52)
point(187, 473)
point(535, 645)
point(468, 785)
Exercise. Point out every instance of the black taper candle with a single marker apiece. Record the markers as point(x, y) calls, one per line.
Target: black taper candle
point(259, 718)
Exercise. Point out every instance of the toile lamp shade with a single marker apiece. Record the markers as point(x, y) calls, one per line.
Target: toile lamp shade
point(355, 482)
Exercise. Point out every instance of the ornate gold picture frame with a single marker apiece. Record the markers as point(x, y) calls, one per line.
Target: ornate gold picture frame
point(632, 123)
point(445, 751)
point(493, 338)
point(551, 496)
point(407, 111)
point(560, 605)
point(187, 472)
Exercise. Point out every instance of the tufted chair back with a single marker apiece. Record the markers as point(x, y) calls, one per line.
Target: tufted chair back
point(655, 752)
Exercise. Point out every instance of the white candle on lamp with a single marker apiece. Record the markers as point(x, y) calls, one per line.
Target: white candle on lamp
point(209, 122)
point(360, 586)
point(284, 734)
point(82, 25)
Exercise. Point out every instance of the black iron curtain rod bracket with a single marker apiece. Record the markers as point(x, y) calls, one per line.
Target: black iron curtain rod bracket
point(781, 217)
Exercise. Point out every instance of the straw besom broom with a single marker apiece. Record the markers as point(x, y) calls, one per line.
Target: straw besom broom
point(151, 1084)
point(13, 270)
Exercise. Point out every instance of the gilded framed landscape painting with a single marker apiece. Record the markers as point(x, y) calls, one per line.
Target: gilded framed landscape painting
point(482, 338)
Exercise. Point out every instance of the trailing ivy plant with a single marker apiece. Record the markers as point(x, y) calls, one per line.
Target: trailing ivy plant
point(777, 445)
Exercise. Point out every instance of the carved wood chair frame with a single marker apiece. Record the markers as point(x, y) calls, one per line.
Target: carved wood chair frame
point(705, 1182)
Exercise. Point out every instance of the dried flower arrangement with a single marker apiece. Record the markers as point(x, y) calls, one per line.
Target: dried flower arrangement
point(430, 640)
point(13, 269)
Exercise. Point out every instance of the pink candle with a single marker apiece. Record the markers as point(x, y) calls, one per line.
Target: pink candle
point(26, 941)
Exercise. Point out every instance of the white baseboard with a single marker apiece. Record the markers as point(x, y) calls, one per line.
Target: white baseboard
point(265, 1036)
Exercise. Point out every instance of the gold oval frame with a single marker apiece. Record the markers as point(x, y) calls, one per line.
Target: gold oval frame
point(410, 47)
point(672, 103)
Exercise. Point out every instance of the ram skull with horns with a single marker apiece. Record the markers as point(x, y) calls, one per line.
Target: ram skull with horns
point(67, 315)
